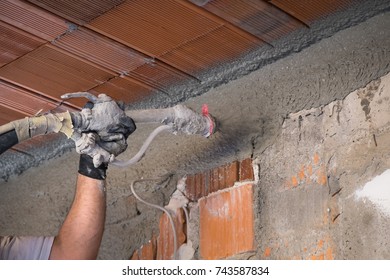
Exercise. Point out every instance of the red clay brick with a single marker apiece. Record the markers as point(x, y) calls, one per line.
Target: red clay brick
point(148, 251)
point(199, 186)
point(190, 187)
point(206, 183)
point(165, 244)
point(226, 223)
point(195, 187)
point(202, 184)
point(246, 170)
point(214, 180)
point(231, 174)
point(221, 178)
point(210, 174)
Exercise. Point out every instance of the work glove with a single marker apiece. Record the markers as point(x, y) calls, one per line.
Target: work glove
point(98, 148)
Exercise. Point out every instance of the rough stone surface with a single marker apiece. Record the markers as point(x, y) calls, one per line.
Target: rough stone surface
point(308, 207)
point(251, 110)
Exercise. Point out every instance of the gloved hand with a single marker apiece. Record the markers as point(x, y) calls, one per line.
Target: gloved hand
point(113, 138)
point(98, 144)
point(94, 150)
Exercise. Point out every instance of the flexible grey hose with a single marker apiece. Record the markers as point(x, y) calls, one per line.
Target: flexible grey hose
point(142, 151)
point(160, 208)
point(166, 115)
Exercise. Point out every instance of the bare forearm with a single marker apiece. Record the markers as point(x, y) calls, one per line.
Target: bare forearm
point(81, 234)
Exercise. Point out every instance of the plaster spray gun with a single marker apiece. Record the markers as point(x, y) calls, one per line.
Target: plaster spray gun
point(101, 122)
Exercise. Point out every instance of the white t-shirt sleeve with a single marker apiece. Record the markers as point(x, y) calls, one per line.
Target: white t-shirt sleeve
point(25, 248)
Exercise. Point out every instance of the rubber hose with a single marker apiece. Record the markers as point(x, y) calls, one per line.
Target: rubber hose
point(143, 149)
point(7, 140)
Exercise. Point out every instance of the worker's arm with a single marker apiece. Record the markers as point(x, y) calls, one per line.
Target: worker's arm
point(81, 233)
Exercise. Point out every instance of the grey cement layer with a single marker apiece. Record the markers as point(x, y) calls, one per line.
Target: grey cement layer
point(251, 111)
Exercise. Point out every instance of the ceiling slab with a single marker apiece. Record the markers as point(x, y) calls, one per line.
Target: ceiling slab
point(9, 114)
point(259, 18)
point(32, 19)
point(51, 72)
point(15, 43)
point(14, 99)
point(80, 11)
point(125, 89)
point(308, 11)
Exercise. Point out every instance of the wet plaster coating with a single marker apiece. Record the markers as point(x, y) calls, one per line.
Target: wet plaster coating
point(251, 111)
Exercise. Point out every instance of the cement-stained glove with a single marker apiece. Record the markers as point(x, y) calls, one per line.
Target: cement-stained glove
point(94, 153)
point(99, 147)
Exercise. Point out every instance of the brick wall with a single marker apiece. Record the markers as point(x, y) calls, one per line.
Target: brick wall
point(224, 199)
